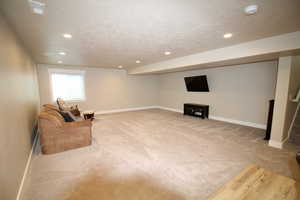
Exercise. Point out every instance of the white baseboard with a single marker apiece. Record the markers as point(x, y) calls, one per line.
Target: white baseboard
point(275, 144)
point(170, 109)
point(233, 121)
point(125, 110)
point(26, 169)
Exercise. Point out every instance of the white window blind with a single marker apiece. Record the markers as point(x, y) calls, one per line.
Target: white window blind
point(68, 85)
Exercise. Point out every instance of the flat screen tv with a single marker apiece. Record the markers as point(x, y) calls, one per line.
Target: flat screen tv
point(196, 84)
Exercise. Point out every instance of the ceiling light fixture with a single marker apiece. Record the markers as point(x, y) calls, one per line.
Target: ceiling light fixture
point(120, 66)
point(167, 53)
point(227, 35)
point(251, 9)
point(37, 7)
point(59, 62)
point(62, 53)
point(138, 61)
point(67, 35)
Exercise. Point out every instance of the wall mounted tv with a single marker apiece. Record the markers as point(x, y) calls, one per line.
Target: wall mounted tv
point(196, 84)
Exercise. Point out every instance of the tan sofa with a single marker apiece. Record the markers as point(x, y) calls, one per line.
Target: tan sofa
point(56, 135)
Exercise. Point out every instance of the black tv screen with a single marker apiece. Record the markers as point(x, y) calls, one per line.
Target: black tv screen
point(196, 84)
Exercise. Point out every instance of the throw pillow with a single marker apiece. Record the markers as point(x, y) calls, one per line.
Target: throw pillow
point(75, 118)
point(75, 111)
point(66, 116)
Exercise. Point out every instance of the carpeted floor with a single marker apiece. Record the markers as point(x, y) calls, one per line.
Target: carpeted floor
point(154, 154)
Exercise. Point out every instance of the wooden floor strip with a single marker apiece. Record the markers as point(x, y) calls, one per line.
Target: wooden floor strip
point(255, 183)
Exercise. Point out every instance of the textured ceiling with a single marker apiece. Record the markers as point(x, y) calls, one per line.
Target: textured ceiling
point(108, 33)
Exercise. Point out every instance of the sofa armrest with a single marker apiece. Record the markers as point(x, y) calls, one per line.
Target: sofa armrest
point(69, 136)
point(80, 128)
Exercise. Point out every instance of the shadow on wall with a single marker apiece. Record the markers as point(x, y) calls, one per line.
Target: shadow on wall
point(34, 132)
point(96, 185)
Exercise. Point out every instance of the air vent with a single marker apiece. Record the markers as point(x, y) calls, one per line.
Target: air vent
point(37, 7)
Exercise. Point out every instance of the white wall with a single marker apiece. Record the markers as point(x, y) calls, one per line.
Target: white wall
point(238, 92)
point(19, 106)
point(107, 89)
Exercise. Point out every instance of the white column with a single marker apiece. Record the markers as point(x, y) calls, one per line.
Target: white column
point(278, 135)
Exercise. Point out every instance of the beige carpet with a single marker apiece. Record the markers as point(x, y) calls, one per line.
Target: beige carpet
point(154, 154)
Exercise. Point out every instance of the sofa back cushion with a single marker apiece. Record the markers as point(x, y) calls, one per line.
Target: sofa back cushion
point(51, 118)
point(50, 107)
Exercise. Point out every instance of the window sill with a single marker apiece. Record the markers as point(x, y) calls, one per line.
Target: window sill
point(72, 101)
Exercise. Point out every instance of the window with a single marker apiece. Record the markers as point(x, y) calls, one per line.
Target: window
point(67, 84)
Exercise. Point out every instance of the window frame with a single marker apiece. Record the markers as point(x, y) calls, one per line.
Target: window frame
point(66, 71)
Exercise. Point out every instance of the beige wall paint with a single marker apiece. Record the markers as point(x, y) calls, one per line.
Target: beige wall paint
point(107, 89)
point(238, 92)
point(235, 90)
point(18, 105)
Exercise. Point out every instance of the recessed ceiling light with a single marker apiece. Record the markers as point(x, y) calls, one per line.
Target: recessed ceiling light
point(67, 35)
point(37, 7)
point(167, 53)
point(227, 35)
point(251, 9)
point(138, 61)
point(59, 62)
point(62, 53)
point(120, 66)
